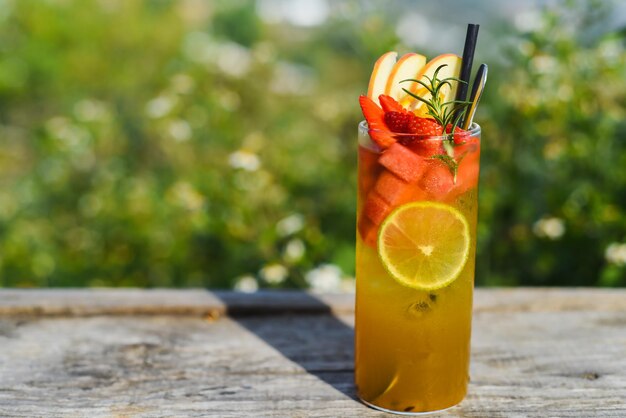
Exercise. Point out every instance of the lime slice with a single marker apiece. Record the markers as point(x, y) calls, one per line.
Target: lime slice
point(424, 245)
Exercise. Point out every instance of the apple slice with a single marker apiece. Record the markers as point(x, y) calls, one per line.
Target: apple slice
point(452, 68)
point(380, 75)
point(409, 66)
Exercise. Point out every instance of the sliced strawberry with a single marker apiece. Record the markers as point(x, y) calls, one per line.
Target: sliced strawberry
point(402, 162)
point(426, 147)
point(389, 104)
point(374, 115)
point(420, 143)
point(424, 127)
point(460, 135)
point(468, 146)
point(398, 121)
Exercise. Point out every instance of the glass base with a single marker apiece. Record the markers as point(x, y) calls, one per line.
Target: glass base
point(412, 414)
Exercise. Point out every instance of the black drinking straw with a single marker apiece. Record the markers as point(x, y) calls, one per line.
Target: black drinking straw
point(468, 58)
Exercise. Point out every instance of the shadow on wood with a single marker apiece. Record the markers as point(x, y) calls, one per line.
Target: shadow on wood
point(303, 330)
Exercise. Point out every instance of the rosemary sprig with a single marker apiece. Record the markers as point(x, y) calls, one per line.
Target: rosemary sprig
point(444, 113)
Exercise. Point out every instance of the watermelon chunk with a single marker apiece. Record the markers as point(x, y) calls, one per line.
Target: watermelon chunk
point(393, 189)
point(369, 170)
point(402, 162)
point(467, 177)
point(437, 181)
point(368, 231)
point(375, 208)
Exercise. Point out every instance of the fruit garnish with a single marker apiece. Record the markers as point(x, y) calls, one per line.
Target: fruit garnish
point(432, 110)
point(389, 104)
point(394, 119)
point(403, 162)
point(409, 66)
point(396, 191)
point(451, 68)
point(447, 114)
point(425, 255)
point(444, 112)
point(397, 121)
point(380, 75)
point(374, 115)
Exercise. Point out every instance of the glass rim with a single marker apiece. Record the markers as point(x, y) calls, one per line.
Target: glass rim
point(474, 132)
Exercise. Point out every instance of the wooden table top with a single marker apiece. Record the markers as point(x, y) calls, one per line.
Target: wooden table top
point(178, 353)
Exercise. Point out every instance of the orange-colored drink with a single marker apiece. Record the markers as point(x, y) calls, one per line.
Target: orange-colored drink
point(415, 251)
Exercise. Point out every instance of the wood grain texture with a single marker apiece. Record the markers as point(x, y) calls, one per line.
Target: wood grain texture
point(118, 353)
point(86, 302)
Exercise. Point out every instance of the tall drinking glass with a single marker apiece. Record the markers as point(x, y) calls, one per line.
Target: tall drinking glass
point(415, 258)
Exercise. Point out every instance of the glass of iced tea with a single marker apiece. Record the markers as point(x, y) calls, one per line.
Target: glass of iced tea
point(416, 241)
point(418, 165)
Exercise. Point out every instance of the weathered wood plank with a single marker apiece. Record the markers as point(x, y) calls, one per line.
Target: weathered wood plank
point(199, 302)
point(536, 353)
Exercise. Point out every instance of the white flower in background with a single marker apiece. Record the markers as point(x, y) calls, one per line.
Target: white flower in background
point(417, 29)
point(233, 59)
point(544, 64)
point(290, 225)
point(325, 278)
point(179, 130)
point(294, 250)
point(528, 21)
point(244, 160)
point(552, 228)
point(611, 49)
point(274, 273)
point(306, 13)
point(615, 253)
point(71, 136)
point(246, 284)
point(229, 57)
point(160, 106)
point(90, 110)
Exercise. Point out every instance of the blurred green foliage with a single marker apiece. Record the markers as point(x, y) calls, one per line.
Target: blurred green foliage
point(191, 143)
